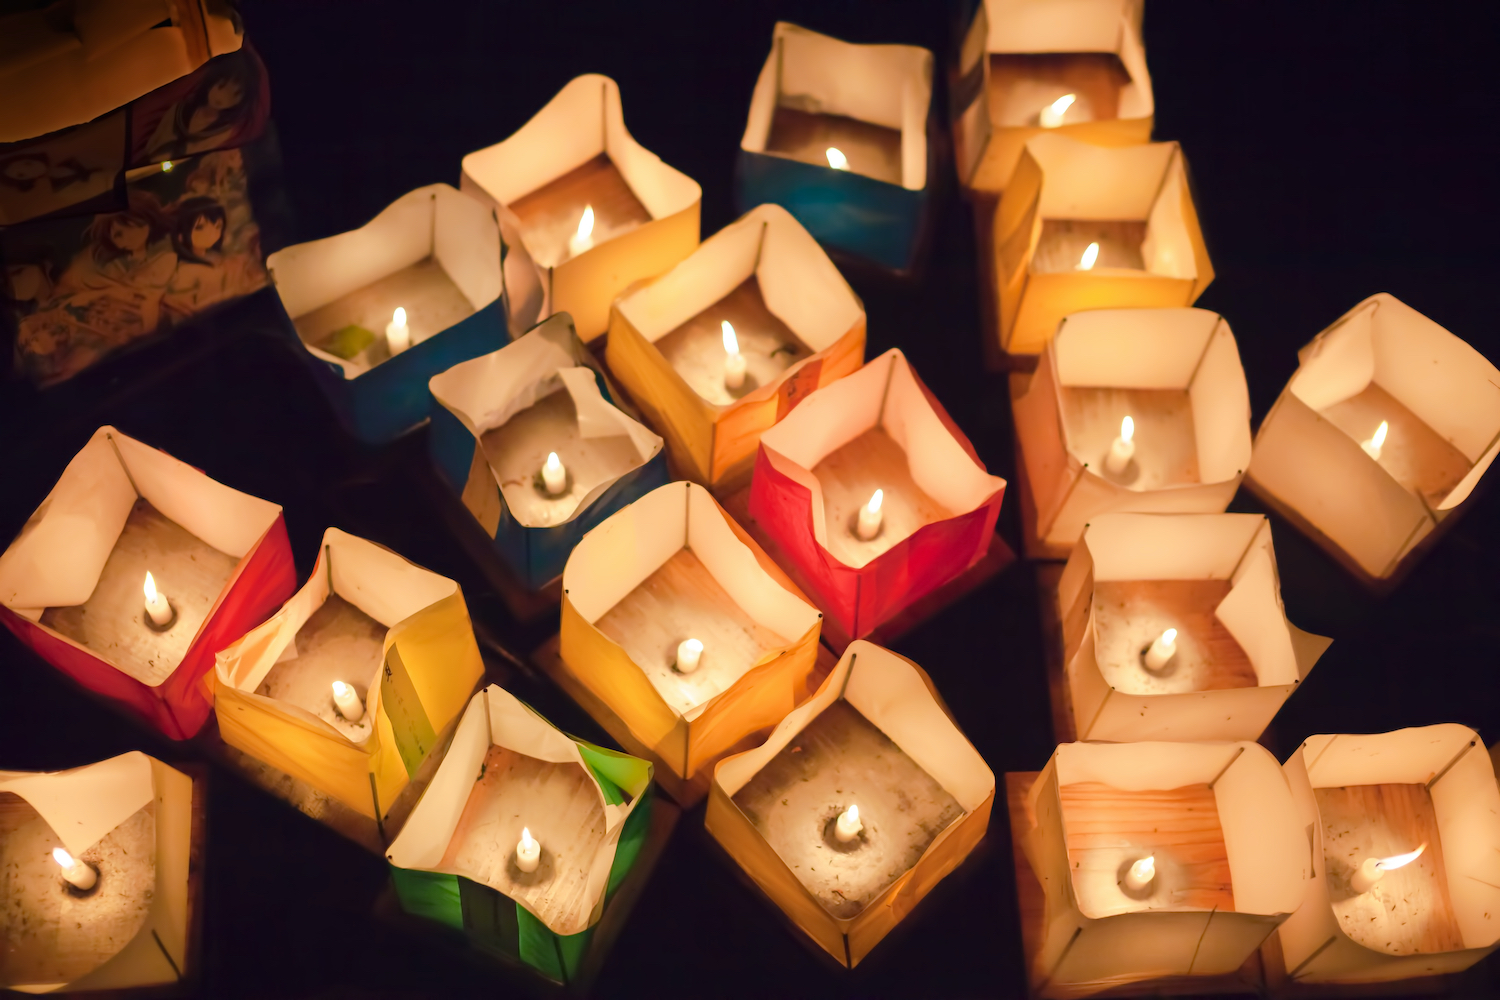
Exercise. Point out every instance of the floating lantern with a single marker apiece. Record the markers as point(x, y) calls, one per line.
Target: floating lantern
point(1130, 410)
point(1173, 628)
point(1064, 241)
point(426, 271)
point(795, 324)
point(585, 209)
point(673, 567)
point(71, 582)
point(532, 440)
point(816, 476)
point(1422, 805)
point(1157, 861)
point(98, 889)
point(857, 805)
point(523, 837)
point(353, 684)
point(1379, 437)
point(838, 135)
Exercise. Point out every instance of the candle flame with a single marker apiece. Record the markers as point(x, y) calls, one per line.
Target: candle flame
point(554, 464)
point(1052, 115)
point(836, 158)
point(399, 316)
point(1168, 637)
point(731, 342)
point(1380, 433)
point(1090, 255)
point(528, 842)
point(876, 499)
point(1145, 869)
point(852, 814)
point(150, 588)
point(1127, 429)
point(1400, 860)
point(62, 857)
point(586, 224)
point(166, 166)
point(340, 689)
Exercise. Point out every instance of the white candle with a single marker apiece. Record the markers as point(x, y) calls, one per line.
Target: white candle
point(1372, 870)
point(584, 237)
point(836, 158)
point(347, 702)
point(848, 825)
point(1122, 449)
point(734, 361)
point(397, 333)
point(870, 517)
point(1141, 874)
point(1089, 258)
point(156, 604)
point(1377, 441)
point(554, 475)
point(1162, 650)
point(1052, 115)
point(528, 852)
point(78, 874)
point(689, 654)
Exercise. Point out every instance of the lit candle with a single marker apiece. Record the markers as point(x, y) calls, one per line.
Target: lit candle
point(1141, 874)
point(554, 475)
point(1374, 869)
point(1090, 256)
point(870, 517)
point(734, 361)
point(347, 702)
point(397, 333)
point(156, 604)
point(1372, 447)
point(528, 852)
point(689, 653)
point(1052, 114)
point(836, 158)
point(166, 166)
point(1122, 449)
point(584, 238)
point(1162, 650)
point(848, 825)
point(78, 874)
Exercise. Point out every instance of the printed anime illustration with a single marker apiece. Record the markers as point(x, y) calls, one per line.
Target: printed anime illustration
point(65, 170)
point(82, 288)
point(222, 105)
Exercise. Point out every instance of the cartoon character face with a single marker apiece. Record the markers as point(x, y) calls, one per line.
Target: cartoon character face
point(24, 281)
point(225, 94)
point(25, 168)
point(206, 232)
point(128, 234)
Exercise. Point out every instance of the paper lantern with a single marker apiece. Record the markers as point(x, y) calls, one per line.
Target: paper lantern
point(590, 210)
point(495, 420)
point(1228, 860)
point(367, 626)
point(1176, 375)
point(668, 571)
point(876, 736)
point(584, 811)
point(1383, 370)
point(796, 324)
point(1088, 227)
point(1232, 659)
point(431, 260)
point(73, 583)
point(1381, 797)
point(816, 477)
point(1075, 68)
point(98, 862)
point(838, 136)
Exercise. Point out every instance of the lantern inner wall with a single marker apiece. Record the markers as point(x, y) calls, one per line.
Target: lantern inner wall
point(549, 215)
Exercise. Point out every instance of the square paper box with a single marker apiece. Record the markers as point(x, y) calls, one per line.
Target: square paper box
point(496, 418)
point(1378, 797)
point(1021, 57)
point(672, 567)
point(838, 136)
point(1382, 365)
point(71, 584)
point(878, 429)
point(876, 736)
point(1212, 578)
point(397, 634)
point(434, 253)
point(1228, 848)
point(1176, 374)
point(129, 821)
point(796, 322)
point(590, 210)
point(1133, 206)
point(508, 769)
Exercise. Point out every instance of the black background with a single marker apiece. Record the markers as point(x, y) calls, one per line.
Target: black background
point(1337, 150)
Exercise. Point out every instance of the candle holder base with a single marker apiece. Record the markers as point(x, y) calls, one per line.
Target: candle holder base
point(164, 626)
point(831, 838)
point(76, 892)
point(539, 483)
